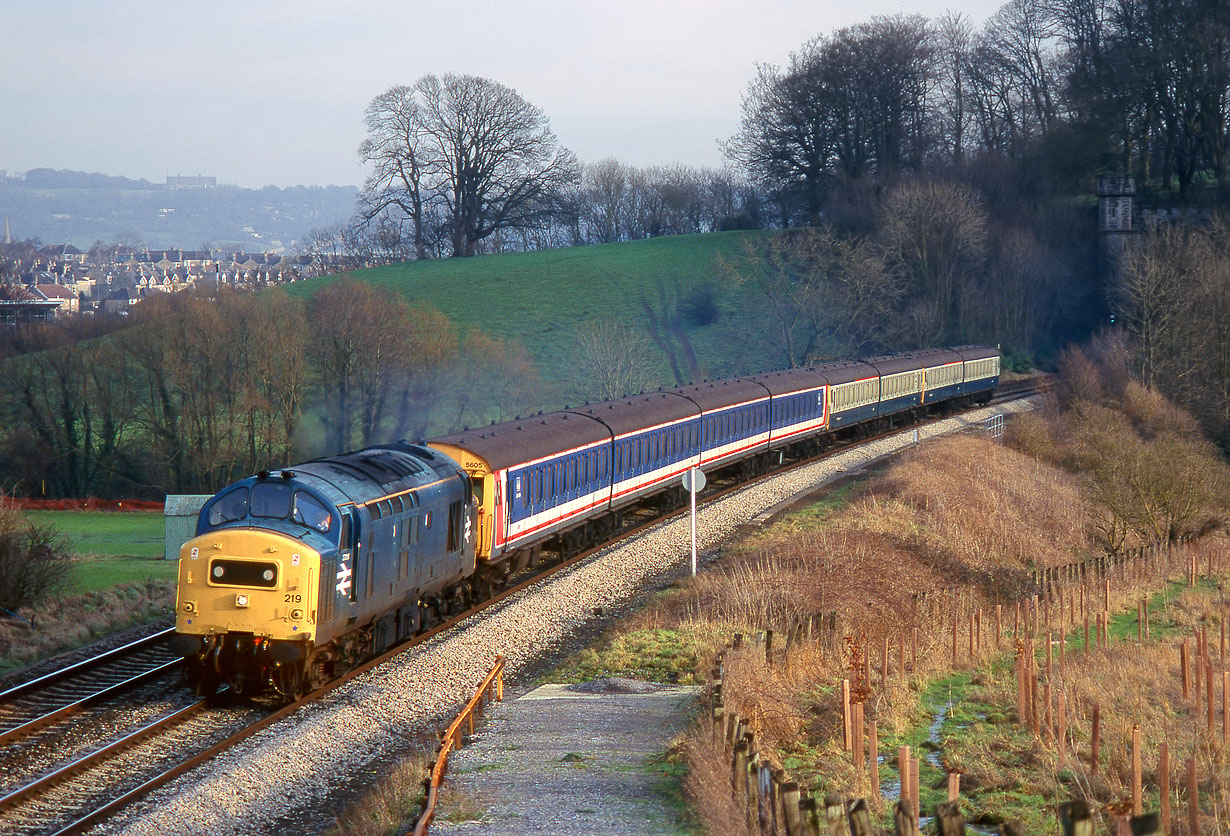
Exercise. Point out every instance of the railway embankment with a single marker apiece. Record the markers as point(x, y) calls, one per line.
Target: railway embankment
point(287, 774)
point(1026, 620)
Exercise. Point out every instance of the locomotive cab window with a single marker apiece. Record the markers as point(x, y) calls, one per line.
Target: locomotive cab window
point(229, 507)
point(311, 513)
point(271, 500)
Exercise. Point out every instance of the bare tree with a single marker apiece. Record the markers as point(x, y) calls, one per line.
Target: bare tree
point(373, 356)
point(847, 105)
point(826, 295)
point(612, 360)
point(485, 154)
point(404, 158)
point(954, 46)
point(935, 235)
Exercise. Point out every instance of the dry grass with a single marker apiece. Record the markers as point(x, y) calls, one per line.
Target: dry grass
point(63, 623)
point(708, 782)
point(1134, 684)
point(960, 524)
point(388, 805)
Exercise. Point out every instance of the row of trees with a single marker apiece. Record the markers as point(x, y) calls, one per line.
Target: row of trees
point(610, 201)
point(937, 269)
point(1061, 89)
point(198, 391)
point(1173, 300)
point(1141, 86)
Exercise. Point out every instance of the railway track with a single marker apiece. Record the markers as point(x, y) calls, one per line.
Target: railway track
point(87, 789)
point(31, 706)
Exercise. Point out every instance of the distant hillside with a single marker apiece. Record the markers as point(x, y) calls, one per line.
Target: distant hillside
point(543, 300)
point(80, 208)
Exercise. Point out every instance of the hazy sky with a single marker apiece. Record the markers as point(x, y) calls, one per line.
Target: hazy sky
point(273, 93)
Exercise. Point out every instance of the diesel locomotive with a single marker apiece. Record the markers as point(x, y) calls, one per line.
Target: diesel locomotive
point(296, 575)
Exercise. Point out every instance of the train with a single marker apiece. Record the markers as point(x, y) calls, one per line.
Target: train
point(296, 575)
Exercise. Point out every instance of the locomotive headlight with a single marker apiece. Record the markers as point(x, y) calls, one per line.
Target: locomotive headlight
point(241, 600)
point(296, 615)
point(189, 606)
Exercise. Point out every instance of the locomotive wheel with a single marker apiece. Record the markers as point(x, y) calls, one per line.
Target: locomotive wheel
point(288, 680)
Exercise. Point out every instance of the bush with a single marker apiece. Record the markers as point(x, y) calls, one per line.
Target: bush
point(35, 560)
point(700, 308)
point(1017, 360)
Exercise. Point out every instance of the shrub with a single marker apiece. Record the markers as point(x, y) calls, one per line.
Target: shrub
point(35, 560)
point(700, 307)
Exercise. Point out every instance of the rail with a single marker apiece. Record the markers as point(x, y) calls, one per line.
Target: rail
point(451, 739)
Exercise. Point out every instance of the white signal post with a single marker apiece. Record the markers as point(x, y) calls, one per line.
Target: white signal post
point(694, 482)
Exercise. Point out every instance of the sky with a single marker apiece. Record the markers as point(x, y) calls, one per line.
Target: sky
point(267, 92)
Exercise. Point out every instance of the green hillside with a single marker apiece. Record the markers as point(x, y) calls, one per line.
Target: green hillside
point(542, 300)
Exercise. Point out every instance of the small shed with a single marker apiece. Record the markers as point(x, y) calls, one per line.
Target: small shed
point(181, 511)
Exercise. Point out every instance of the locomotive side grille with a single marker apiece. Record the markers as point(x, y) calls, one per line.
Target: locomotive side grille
point(328, 582)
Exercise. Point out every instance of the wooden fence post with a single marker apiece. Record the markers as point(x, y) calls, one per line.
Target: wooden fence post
point(948, 819)
point(1163, 781)
point(1225, 706)
point(1137, 809)
point(847, 727)
point(954, 785)
point(1075, 818)
point(1193, 799)
point(915, 795)
point(1094, 739)
point(790, 804)
point(753, 793)
point(873, 759)
point(738, 771)
point(904, 823)
point(835, 815)
point(860, 819)
point(810, 814)
point(903, 772)
point(1185, 667)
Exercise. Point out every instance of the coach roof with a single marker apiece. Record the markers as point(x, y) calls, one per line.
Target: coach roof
point(526, 439)
point(639, 412)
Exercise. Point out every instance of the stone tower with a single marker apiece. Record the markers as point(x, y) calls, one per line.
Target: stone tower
point(1115, 197)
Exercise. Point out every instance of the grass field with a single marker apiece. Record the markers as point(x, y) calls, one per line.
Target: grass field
point(106, 533)
point(114, 548)
point(102, 572)
point(544, 299)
